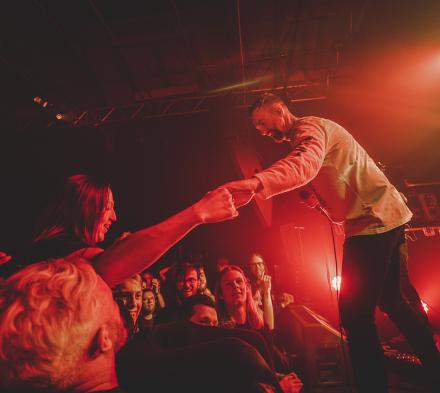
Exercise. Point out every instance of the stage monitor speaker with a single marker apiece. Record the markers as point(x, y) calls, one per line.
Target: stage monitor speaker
point(317, 349)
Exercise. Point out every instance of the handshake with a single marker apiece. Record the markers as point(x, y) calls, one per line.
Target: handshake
point(243, 191)
point(222, 203)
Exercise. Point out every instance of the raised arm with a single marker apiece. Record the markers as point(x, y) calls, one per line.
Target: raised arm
point(141, 249)
point(266, 298)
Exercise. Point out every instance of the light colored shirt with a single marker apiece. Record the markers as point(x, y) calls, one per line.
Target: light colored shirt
point(347, 181)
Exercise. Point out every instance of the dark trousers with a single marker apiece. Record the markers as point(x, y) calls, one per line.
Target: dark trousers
point(370, 277)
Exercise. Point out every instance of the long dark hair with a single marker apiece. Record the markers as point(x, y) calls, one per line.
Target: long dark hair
point(77, 209)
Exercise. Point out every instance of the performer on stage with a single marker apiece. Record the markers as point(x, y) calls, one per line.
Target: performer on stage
point(353, 190)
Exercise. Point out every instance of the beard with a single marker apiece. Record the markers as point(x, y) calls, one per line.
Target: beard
point(277, 135)
point(280, 136)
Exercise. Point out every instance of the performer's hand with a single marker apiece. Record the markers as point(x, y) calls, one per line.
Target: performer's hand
point(243, 190)
point(215, 206)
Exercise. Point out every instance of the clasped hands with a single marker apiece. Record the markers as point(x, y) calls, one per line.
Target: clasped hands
point(223, 202)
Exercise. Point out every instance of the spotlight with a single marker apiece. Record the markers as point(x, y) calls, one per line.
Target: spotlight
point(425, 306)
point(41, 102)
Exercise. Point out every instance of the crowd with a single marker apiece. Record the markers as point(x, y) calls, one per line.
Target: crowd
point(75, 317)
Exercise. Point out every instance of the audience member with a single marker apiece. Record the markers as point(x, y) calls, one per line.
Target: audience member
point(203, 287)
point(237, 308)
point(187, 281)
point(153, 283)
point(183, 283)
point(261, 284)
point(146, 318)
point(200, 309)
point(235, 304)
point(83, 212)
point(129, 294)
point(59, 329)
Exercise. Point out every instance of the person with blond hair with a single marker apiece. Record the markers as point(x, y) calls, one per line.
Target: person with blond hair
point(59, 329)
point(128, 295)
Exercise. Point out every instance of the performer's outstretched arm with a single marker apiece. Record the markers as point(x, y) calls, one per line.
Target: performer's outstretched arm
point(298, 168)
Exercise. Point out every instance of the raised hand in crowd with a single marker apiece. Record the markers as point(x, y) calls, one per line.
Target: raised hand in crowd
point(266, 285)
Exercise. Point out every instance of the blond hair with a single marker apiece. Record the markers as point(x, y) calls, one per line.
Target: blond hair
point(136, 278)
point(46, 324)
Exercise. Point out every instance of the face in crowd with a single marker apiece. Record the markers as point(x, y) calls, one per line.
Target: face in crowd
point(188, 284)
point(256, 266)
point(129, 293)
point(204, 315)
point(148, 302)
point(202, 278)
point(233, 288)
point(107, 218)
